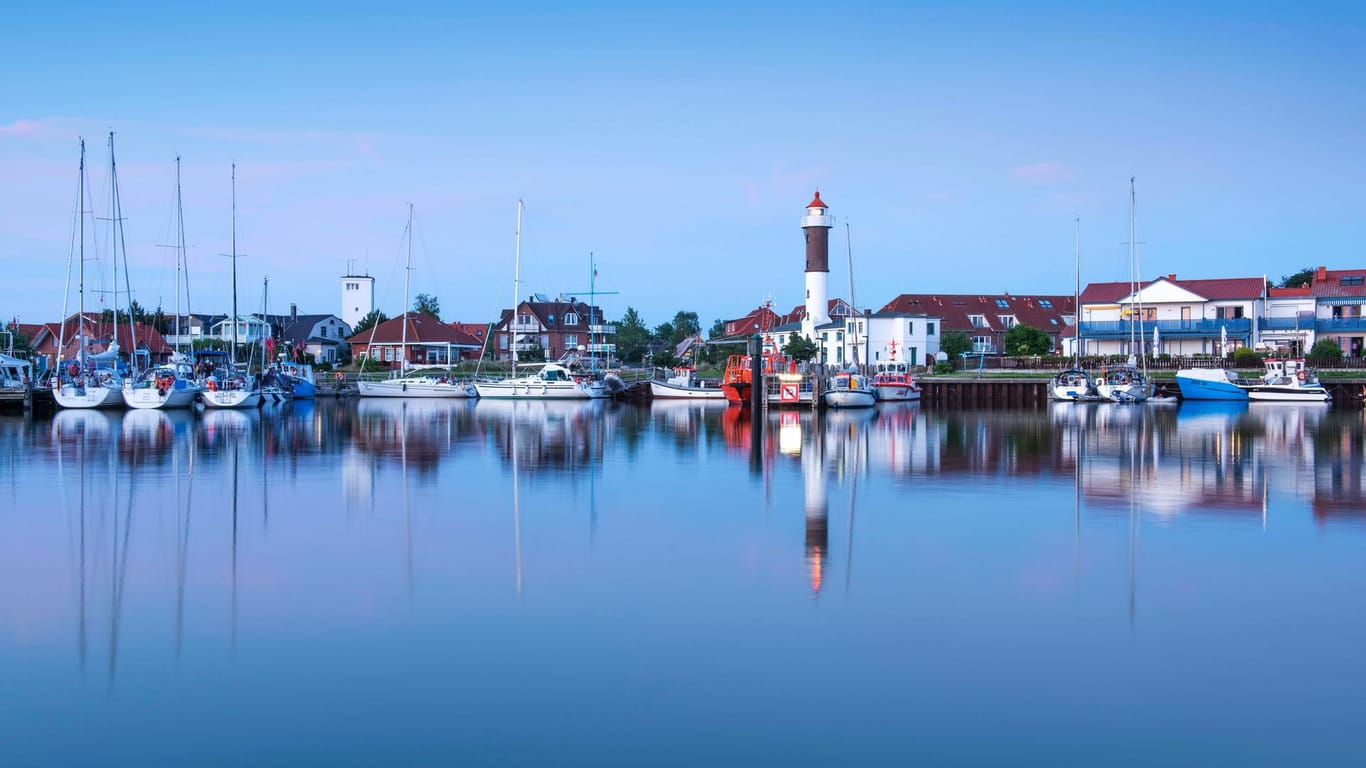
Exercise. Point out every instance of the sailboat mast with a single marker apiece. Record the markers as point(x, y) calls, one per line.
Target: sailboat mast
point(113, 242)
point(234, 264)
point(179, 254)
point(407, 275)
point(1135, 280)
point(516, 287)
point(849, 253)
point(80, 286)
point(1076, 298)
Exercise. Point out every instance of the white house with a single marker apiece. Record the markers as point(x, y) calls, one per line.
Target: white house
point(250, 329)
point(1170, 316)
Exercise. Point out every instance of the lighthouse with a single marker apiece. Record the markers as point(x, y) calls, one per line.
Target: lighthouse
point(816, 226)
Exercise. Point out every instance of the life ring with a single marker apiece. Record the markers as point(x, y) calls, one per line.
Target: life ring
point(339, 376)
point(1302, 375)
point(211, 385)
point(74, 369)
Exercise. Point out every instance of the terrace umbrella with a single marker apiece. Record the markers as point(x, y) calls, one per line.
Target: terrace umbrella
point(1157, 340)
point(1223, 341)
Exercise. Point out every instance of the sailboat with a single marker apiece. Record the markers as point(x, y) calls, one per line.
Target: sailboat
point(232, 388)
point(171, 385)
point(850, 389)
point(86, 383)
point(1074, 384)
point(549, 380)
point(403, 383)
point(1129, 383)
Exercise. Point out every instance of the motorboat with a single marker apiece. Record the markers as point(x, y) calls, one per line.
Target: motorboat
point(1288, 381)
point(552, 381)
point(1211, 384)
point(683, 384)
point(892, 381)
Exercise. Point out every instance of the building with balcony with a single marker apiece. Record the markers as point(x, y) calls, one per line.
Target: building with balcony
point(1170, 316)
point(1332, 306)
point(552, 328)
point(425, 341)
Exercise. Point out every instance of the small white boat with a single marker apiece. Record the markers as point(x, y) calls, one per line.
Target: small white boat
point(1073, 384)
point(234, 390)
point(1288, 381)
point(98, 388)
point(166, 386)
point(552, 382)
point(416, 386)
point(684, 385)
point(892, 381)
point(849, 390)
point(1123, 384)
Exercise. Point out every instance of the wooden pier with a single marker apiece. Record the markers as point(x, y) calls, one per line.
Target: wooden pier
point(956, 392)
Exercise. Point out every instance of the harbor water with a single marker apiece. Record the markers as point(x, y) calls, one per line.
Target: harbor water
point(389, 582)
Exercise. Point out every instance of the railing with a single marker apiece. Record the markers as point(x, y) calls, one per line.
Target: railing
point(1329, 325)
point(602, 329)
point(1121, 328)
point(1286, 324)
point(601, 347)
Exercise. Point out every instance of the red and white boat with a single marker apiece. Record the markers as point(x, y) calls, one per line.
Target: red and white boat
point(892, 380)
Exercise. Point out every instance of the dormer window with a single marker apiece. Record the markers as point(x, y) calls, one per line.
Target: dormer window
point(571, 318)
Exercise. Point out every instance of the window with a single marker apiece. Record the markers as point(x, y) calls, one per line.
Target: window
point(978, 321)
point(839, 335)
point(910, 328)
point(929, 329)
point(503, 341)
point(571, 318)
point(1227, 313)
point(1053, 320)
point(1353, 279)
point(1007, 321)
point(1002, 304)
point(981, 343)
point(1046, 303)
point(571, 340)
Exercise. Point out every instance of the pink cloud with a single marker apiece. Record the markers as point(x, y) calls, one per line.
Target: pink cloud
point(24, 128)
point(1047, 172)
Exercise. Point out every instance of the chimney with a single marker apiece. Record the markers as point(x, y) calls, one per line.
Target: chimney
point(1322, 274)
point(1172, 277)
point(293, 312)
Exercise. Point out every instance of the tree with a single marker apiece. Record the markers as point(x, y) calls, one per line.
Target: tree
point(685, 324)
point(1024, 339)
point(1326, 348)
point(427, 304)
point(718, 329)
point(665, 332)
point(632, 336)
point(160, 322)
point(954, 343)
point(535, 354)
point(369, 321)
point(801, 349)
point(1299, 279)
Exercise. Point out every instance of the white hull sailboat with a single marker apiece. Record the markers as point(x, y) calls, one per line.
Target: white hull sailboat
point(849, 390)
point(416, 386)
point(1129, 383)
point(553, 381)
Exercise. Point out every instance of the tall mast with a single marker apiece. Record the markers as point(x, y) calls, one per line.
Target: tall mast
point(114, 246)
point(407, 274)
point(234, 264)
point(849, 252)
point(1076, 299)
point(516, 287)
point(180, 253)
point(1134, 278)
point(80, 285)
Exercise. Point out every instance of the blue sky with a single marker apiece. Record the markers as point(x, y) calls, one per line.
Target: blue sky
point(679, 143)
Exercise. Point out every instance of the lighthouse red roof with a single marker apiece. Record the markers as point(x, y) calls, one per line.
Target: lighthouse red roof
point(817, 202)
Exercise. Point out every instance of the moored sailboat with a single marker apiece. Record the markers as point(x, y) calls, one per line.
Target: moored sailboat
point(1074, 384)
point(1129, 383)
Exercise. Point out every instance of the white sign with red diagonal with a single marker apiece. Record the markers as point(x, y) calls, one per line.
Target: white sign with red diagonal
point(787, 393)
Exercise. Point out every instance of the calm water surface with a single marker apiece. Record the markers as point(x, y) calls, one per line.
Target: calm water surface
point(491, 583)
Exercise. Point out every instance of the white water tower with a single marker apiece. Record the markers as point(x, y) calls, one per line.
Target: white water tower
point(358, 296)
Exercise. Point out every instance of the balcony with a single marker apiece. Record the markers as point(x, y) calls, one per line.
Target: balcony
point(602, 348)
point(602, 329)
point(1340, 324)
point(1120, 329)
point(1286, 324)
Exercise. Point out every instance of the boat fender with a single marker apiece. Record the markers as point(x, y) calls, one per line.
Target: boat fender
point(1100, 382)
point(1302, 376)
point(405, 386)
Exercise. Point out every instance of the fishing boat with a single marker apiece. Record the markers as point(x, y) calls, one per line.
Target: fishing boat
point(737, 383)
point(1074, 384)
point(1129, 383)
point(89, 380)
point(404, 383)
point(849, 390)
point(549, 380)
point(683, 384)
point(893, 382)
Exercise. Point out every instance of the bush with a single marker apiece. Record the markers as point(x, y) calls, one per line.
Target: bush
point(1246, 358)
point(942, 368)
point(1326, 348)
